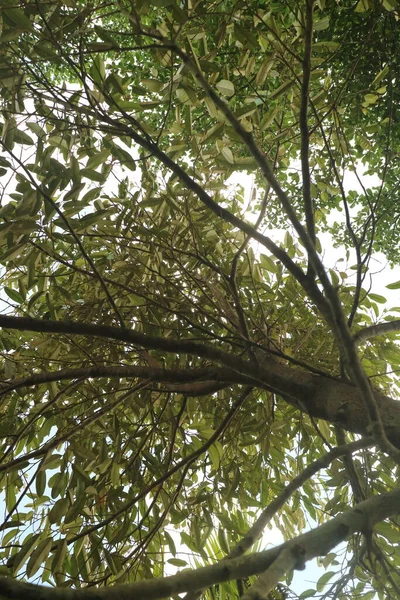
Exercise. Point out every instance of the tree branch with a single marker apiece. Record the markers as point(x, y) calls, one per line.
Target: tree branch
point(256, 530)
point(316, 542)
point(373, 330)
point(117, 127)
point(263, 375)
point(305, 134)
point(196, 381)
point(286, 561)
point(321, 397)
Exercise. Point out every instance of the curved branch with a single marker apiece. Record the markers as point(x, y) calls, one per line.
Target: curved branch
point(321, 397)
point(150, 146)
point(287, 560)
point(316, 542)
point(265, 517)
point(256, 530)
point(330, 306)
point(373, 330)
point(267, 376)
point(185, 379)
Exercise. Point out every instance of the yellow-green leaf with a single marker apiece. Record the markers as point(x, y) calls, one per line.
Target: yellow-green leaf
point(59, 510)
point(225, 87)
point(362, 6)
point(38, 556)
point(59, 556)
point(17, 560)
point(40, 483)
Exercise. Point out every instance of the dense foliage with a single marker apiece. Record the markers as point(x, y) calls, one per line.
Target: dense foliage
point(177, 365)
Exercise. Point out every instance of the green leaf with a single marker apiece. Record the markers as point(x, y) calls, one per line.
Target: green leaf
point(59, 509)
point(19, 559)
point(10, 524)
point(323, 580)
point(322, 24)
point(40, 483)
point(227, 154)
point(371, 98)
point(362, 6)
point(38, 556)
point(282, 89)
point(267, 263)
point(153, 85)
point(177, 562)
point(124, 157)
point(18, 18)
point(223, 540)
point(92, 175)
point(377, 298)
point(97, 159)
point(225, 87)
point(170, 542)
point(100, 47)
point(245, 36)
point(76, 508)
point(59, 558)
point(307, 593)
point(111, 562)
point(380, 75)
point(20, 137)
point(389, 5)
point(14, 295)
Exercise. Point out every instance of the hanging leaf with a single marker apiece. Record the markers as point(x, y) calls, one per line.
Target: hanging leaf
point(38, 556)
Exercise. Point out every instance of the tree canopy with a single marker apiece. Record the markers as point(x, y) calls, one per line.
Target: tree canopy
point(193, 348)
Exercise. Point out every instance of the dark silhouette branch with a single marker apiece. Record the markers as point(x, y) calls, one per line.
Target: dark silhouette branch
point(304, 129)
point(189, 381)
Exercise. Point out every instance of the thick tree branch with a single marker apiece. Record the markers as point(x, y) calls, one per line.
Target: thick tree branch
point(321, 397)
point(316, 542)
point(333, 312)
point(330, 306)
point(189, 381)
point(258, 373)
point(286, 561)
point(257, 529)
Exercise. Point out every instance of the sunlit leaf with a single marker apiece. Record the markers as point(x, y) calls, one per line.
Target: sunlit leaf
point(226, 87)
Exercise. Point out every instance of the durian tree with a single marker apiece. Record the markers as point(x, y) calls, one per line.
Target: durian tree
point(195, 352)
